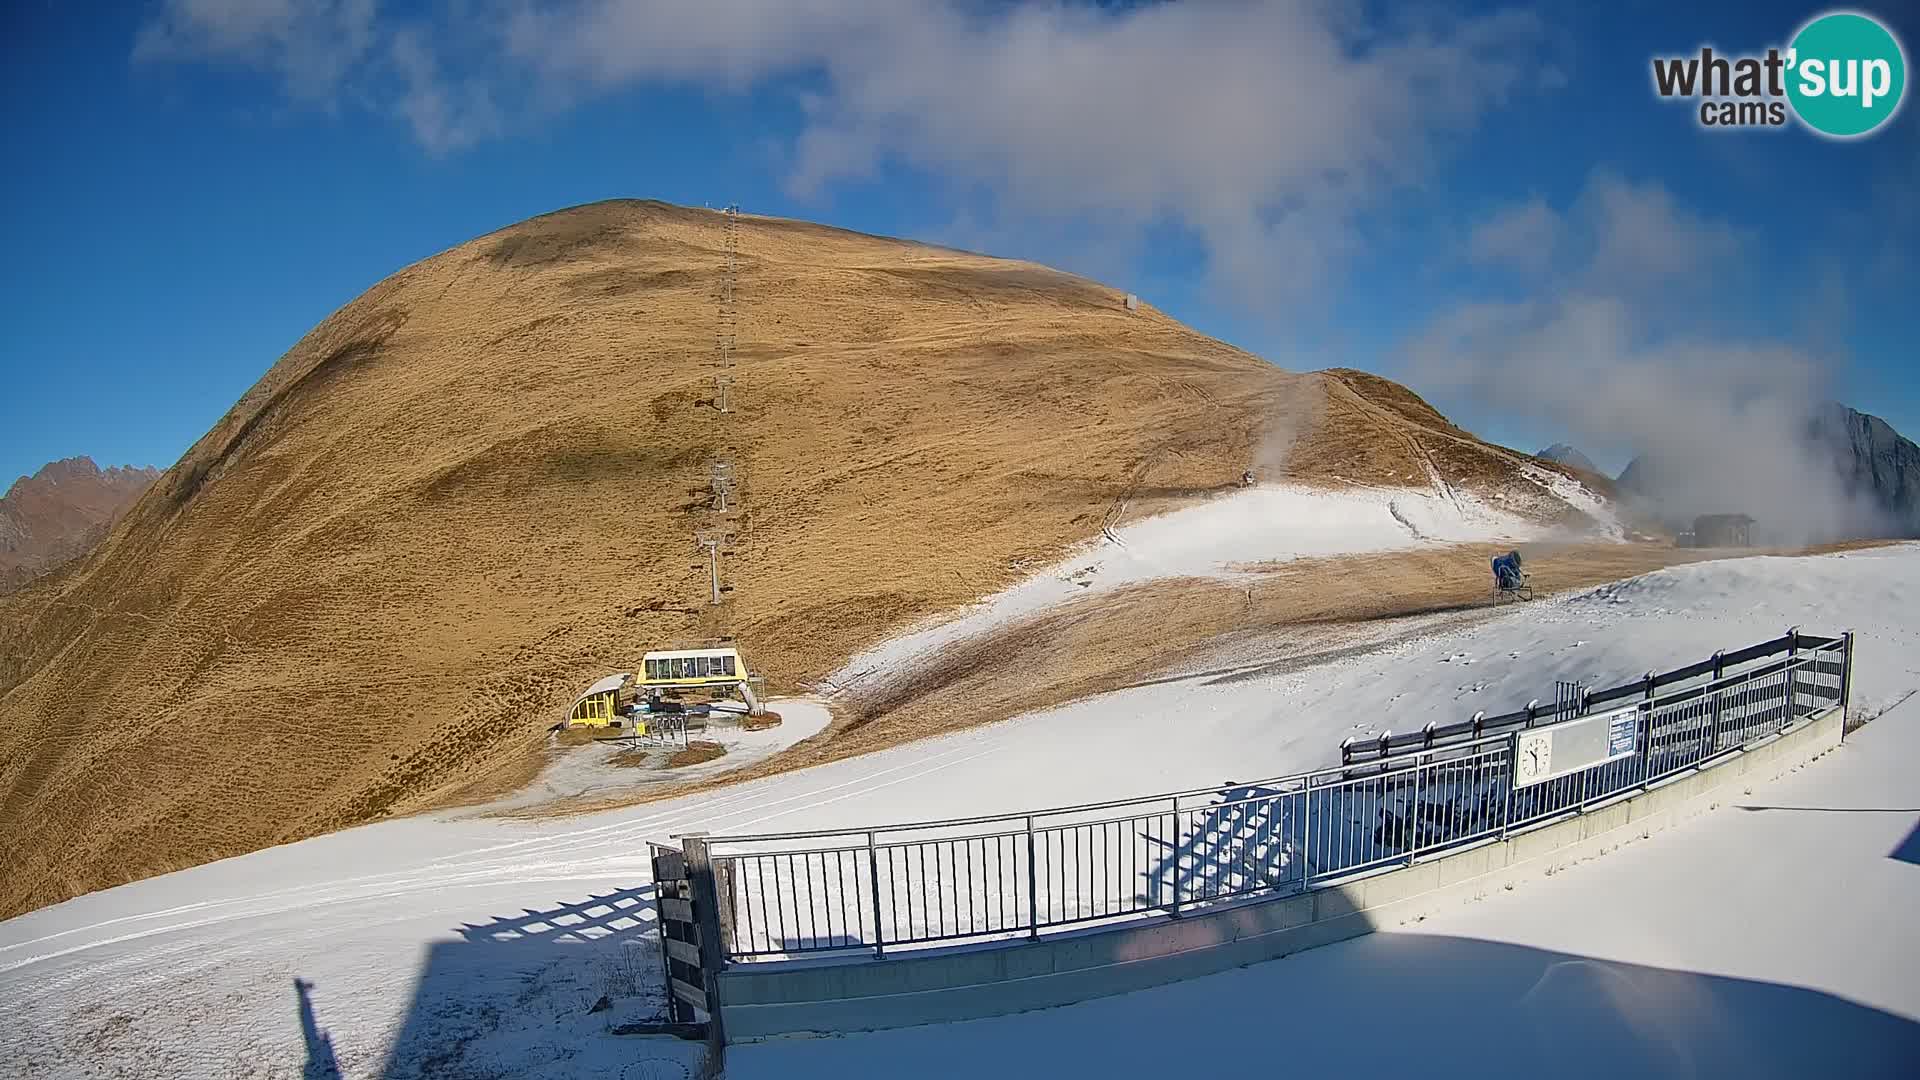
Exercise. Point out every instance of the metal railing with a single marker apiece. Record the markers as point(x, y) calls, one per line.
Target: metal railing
point(1015, 875)
point(1714, 668)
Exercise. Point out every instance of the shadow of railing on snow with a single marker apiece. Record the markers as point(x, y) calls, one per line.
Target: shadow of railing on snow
point(522, 993)
point(1241, 842)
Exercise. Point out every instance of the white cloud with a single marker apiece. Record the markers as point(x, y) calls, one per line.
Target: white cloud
point(1522, 236)
point(330, 53)
point(445, 114)
point(1641, 235)
point(1616, 237)
point(310, 45)
point(1266, 129)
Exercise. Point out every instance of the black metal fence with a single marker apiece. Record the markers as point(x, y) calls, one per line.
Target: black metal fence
point(1391, 800)
point(1713, 669)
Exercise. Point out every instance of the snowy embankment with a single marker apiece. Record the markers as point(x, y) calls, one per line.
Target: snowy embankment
point(1582, 498)
point(437, 946)
point(1219, 538)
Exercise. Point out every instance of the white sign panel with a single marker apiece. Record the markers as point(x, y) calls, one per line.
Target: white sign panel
point(1546, 753)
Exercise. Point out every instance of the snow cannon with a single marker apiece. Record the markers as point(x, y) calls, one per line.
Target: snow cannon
point(1509, 580)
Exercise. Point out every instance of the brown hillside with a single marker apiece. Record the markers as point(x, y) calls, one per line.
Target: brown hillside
point(60, 512)
point(474, 488)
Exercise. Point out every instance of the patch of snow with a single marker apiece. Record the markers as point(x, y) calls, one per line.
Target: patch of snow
point(587, 771)
point(1579, 496)
point(1270, 523)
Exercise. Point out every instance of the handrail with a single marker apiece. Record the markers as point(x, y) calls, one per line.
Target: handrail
point(1496, 728)
point(918, 882)
point(1361, 752)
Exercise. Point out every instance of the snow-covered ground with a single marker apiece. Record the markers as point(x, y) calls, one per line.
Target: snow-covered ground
point(589, 771)
point(1579, 496)
point(1220, 537)
point(1777, 937)
point(444, 946)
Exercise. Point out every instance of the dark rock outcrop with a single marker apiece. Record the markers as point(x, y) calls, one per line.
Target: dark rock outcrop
point(1873, 460)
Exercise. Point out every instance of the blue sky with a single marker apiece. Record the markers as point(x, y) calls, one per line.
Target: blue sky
point(1487, 203)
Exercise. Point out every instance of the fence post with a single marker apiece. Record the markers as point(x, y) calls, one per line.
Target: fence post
point(1178, 828)
point(723, 905)
point(1846, 682)
point(1513, 774)
point(675, 1007)
point(1413, 812)
point(1428, 741)
point(873, 872)
point(1719, 699)
point(706, 914)
point(1793, 676)
point(1646, 763)
point(1306, 833)
point(1033, 886)
point(1645, 724)
point(1479, 769)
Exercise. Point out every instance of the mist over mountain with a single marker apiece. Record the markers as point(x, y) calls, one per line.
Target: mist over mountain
point(1854, 461)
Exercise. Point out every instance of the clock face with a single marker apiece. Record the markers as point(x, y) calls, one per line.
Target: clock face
point(1533, 756)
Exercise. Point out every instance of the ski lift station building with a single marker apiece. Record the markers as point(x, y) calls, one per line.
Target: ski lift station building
point(676, 669)
point(597, 705)
point(693, 668)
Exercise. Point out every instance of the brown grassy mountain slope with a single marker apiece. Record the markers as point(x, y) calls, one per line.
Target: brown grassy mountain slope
point(475, 487)
point(60, 513)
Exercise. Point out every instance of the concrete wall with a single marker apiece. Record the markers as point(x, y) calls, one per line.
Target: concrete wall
point(993, 979)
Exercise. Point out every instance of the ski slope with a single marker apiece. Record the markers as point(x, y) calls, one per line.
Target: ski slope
point(463, 946)
point(1219, 537)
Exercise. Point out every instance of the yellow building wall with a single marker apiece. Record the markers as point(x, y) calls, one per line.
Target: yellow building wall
point(596, 711)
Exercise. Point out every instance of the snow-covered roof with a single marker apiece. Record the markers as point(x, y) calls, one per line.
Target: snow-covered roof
point(603, 685)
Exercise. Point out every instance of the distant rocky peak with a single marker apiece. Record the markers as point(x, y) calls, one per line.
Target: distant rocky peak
point(60, 512)
point(1566, 455)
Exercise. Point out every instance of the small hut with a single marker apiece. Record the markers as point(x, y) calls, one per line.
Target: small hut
point(1723, 530)
point(598, 705)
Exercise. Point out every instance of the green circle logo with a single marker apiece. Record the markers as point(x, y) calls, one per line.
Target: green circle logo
point(1846, 75)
